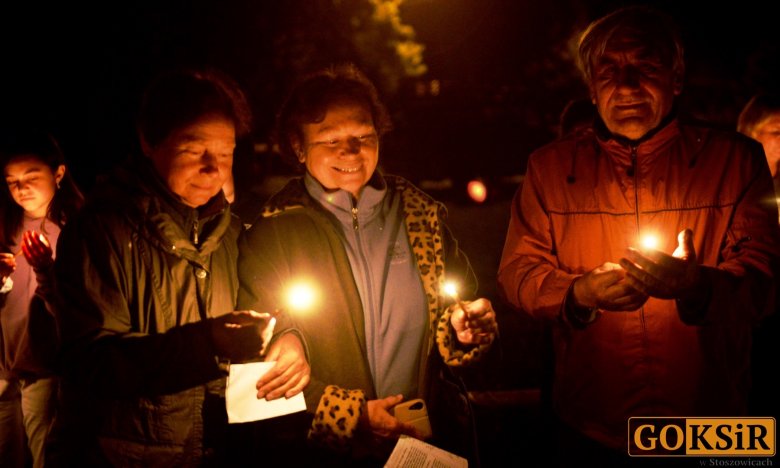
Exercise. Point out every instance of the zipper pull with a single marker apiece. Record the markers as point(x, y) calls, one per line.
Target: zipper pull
point(195, 233)
point(632, 170)
point(354, 218)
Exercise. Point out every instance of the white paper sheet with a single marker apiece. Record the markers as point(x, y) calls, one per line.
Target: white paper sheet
point(241, 395)
point(412, 453)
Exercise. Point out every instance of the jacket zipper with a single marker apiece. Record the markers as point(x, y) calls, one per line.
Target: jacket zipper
point(636, 187)
point(195, 233)
point(634, 168)
point(354, 218)
point(636, 207)
point(366, 276)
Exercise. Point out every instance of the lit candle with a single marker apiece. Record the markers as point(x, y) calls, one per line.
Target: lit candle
point(452, 290)
point(301, 297)
point(650, 241)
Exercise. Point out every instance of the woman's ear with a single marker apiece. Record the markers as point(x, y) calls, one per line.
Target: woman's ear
point(59, 174)
point(145, 147)
point(296, 146)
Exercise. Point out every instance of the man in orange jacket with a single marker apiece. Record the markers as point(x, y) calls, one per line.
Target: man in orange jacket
point(642, 331)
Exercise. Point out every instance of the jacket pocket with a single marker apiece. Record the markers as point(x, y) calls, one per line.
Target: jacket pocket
point(161, 420)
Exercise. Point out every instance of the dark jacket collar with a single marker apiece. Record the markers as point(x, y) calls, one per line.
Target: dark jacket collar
point(644, 147)
point(170, 203)
point(603, 133)
point(136, 191)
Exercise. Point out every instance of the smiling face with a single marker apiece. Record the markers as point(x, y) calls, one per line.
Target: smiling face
point(196, 160)
point(32, 184)
point(768, 134)
point(631, 86)
point(342, 150)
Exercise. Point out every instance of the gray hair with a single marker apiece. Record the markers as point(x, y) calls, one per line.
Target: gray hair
point(654, 28)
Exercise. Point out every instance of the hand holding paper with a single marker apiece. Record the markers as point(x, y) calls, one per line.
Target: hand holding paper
point(290, 375)
point(241, 395)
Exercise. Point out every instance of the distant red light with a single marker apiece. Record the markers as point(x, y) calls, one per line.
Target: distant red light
point(477, 191)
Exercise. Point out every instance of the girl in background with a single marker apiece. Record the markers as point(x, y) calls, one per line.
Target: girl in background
point(38, 197)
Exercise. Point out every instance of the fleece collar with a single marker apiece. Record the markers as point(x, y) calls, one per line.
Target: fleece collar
point(341, 201)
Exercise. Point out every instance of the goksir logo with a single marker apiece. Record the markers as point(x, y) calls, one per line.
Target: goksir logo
point(748, 437)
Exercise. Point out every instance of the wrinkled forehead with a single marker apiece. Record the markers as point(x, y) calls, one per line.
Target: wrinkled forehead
point(640, 44)
point(336, 103)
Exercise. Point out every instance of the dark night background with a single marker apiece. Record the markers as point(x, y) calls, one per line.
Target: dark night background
point(505, 69)
point(499, 72)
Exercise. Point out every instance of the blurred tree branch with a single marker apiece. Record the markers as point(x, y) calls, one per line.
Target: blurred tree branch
point(313, 34)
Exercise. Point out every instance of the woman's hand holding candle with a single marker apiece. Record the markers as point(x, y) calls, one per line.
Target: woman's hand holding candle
point(665, 276)
point(241, 335)
point(37, 250)
point(474, 322)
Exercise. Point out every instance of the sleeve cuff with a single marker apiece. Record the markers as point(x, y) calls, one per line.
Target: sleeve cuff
point(577, 317)
point(45, 289)
point(448, 344)
point(336, 419)
point(300, 336)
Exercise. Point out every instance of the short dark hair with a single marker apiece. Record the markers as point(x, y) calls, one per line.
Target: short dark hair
point(657, 29)
point(756, 111)
point(309, 100)
point(39, 145)
point(178, 98)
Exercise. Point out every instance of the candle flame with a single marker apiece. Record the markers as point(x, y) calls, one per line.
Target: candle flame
point(451, 289)
point(301, 297)
point(650, 241)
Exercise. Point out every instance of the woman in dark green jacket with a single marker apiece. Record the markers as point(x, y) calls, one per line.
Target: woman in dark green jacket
point(146, 283)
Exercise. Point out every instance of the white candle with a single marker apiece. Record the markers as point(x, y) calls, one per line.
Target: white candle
point(452, 290)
